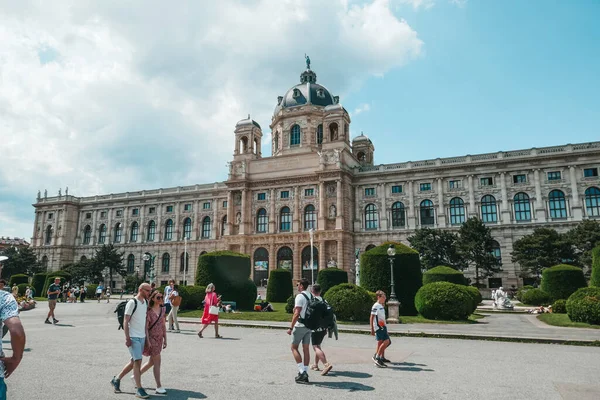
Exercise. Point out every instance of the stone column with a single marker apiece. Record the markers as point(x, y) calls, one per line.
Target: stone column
point(297, 261)
point(383, 217)
point(273, 215)
point(272, 257)
point(505, 215)
point(196, 222)
point(322, 207)
point(216, 221)
point(472, 210)
point(94, 233)
point(322, 255)
point(244, 213)
point(339, 220)
point(441, 215)
point(340, 255)
point(178, 223)
point(410, 219)
point(230, 216)
point(160, 226)
point(125, 225)
point(576, 207)
point(296, 218)
point(540, 210)
point(358, 215)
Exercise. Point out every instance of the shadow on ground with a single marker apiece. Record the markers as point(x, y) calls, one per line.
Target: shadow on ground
point(349, 386)
point(350, 374)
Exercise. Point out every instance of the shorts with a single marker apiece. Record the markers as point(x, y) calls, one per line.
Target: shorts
point(51, 305)
point(301, 334)
point(98, 295)
point(2, 389)
point(317, 337)
point(137, 347)
point(167, 308)
point(382, 333)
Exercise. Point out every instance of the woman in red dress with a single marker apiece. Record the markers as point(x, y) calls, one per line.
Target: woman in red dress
point(157, 337)
point(211, 299)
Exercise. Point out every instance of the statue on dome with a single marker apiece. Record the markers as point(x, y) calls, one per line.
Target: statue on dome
point(307, 61)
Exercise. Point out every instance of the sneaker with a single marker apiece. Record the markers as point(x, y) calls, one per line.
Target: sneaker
point(374, 358)
point(177, 331)
point(315, 367)
point(326, 368)
point(385, 360)
point(55, 321)
point(380, 364)
point(116, 384)
point(302, 377)
point(161, 390)
point(141, 394)
point(47, 322)
point(171, 328)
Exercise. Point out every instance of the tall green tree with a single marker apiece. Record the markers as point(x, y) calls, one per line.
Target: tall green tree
point(584, 237)
point(437, 247)
point(84, 271)
point(541, 249)
point(107, 258)
point(20, 261)
point(476, 246)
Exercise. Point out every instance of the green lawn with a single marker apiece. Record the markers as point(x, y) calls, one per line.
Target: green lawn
point(563, 320)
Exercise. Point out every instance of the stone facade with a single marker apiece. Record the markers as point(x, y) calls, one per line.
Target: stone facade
point(316, 177)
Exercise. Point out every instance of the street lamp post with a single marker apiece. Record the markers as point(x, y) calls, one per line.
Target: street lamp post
point(311, 233)
point(393, 303)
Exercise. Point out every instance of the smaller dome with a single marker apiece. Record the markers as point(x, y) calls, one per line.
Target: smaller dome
point(248, 121)
point(361, 138)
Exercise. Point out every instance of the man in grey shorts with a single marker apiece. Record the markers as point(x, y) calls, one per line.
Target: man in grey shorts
point(300, 333)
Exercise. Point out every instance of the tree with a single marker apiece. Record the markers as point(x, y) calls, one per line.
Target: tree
point(108, 259)
point(20, 261)
point(84, 270)
point(543, 248)
point(476, 246)
point(584, 237)
point(437, 247)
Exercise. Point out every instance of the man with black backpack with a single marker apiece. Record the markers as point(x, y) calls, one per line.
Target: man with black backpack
point(325, 320)
point(299, 332)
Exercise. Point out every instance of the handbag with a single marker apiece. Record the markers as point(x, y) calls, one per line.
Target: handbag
point(213, 310)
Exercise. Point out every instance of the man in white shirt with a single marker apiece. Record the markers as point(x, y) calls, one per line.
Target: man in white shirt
point(300, 333)
point(379, 329)
point(136, 333)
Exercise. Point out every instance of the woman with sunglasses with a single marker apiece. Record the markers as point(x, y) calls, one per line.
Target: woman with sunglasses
point(157, 337)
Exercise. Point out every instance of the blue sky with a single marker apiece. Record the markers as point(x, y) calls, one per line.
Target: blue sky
point(95, 97)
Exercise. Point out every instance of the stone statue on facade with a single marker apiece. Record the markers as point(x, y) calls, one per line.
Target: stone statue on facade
point(331, 263)
point(332, 211)
point(45, 193)
point(501, 300)
point(39, 195)
point(59, 192)
point(238, 218)
point(336, 155)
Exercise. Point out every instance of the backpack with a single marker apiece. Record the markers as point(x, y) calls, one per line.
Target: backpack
point(120, 310)
point(319, 314)
point(176, 301)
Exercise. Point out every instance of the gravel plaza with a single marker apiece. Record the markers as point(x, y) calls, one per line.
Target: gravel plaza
point(81, 354)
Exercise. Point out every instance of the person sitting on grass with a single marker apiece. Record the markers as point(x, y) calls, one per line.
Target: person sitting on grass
point(266, 306)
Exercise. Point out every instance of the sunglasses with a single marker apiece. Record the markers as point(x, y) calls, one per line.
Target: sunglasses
point(158, 297)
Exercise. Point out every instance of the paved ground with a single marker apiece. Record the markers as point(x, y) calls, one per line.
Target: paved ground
point(80, 356)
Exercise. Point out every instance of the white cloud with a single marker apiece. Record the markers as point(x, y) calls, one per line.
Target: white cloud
point(361, 108)
point(105, 98)
point(416, 4)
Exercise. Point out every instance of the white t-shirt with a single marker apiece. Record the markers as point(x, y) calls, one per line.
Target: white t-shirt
point(378, 310)
point(301, 301)
point(137, 323)
point(168, 291)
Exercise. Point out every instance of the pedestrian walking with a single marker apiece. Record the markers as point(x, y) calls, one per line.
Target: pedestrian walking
point(53, 293)
point(300, 333)
point(175, 300)
point(82, 293)
point(317, 337)
point(379, 330)
point(99, 290)
point(28, 293)
point(157, 338)
point(107, 295)
point(167, 296)
point(136, 330)
point(212, 303)
point(9, 318)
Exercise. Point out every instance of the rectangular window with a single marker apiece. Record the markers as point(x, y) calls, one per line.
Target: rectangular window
point(119, 213)
point(521, 178)
point(102, 214)
point(169, 209)
point(369, 192)
point(151, 210)
point(494, 283)
point(88, 215)
point(262, 196)
point(206, 205)
point(284, 194)
point(135, 211)
point(225, 204)
point(397, 189)
point(424, 187)
point(486, 181)
point(554, 176)
point(590, 172)
point(455, 184)
point(309, 192)
point(187, 207)
point(50, 215)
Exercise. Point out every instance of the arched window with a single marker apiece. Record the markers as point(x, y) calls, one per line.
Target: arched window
point(333, 132)
point(187, 228)
point(295, 135)
point(261, 221)
point(320, 134)
point(184, 256)
point(261, 266)
point(166, 262)
point(169, 229)
point(427, 213)
point(243, 145)
point(87, 234)
point(489, 210)
point(306, 266)
point(361, 156)
point(276, 142)
point(45, 262)
point(48, 234)
point(285, 220)
point(457, 211)
point(592, 201)
point(369, 247)
point(130, 263)
point(398, 215)
point(224, 225)
point(309, 217)
point(285, 259)
point(133, 233)
point(496, 251)
point(83, 259)
point(206, 228)
point(557, 204)
point(118, 232)
point(522, 207)
point(371, 221)
point(151, 231)
point(102, 234)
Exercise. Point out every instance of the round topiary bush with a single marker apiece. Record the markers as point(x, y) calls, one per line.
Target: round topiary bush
point(350, 302)
point(584, 305)
point(22, 288)
point(536, 297)
point(559, 306)
point(289, 306)
point(444, 274)
point(191, 297)
point(521, 291)
point(444, 301)
point(475, 296)
point(330, 277)
point(91, 290)
point(17, 279)
point(562, 280)
point(408, 278)
point(279, 287)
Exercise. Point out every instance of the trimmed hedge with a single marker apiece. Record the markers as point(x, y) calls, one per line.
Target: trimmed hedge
point(229, 272)
point(191, 297)
point(330, 277)
point(595, 281)
point(444, 301)
point(279, 287)
point(559, 306)
point(289, 306)
point(22, 288)
point(38, 282)
point(350, 302)
point(444, 274)
point(375, 274)
point(475, 296)
point(562, 280)
point(521, 291)
point(18, 279)
point(584, 305)
point(64, 278)
point(91, 291)
point(536, 297)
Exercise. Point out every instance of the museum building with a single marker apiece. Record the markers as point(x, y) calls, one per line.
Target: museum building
point(320, 186)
